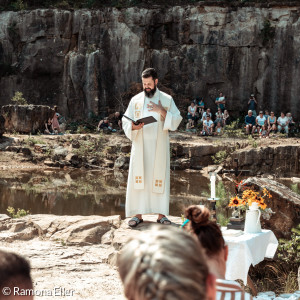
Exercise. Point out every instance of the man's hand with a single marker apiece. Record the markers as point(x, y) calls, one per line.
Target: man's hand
point(158, 108)
point(137, 127)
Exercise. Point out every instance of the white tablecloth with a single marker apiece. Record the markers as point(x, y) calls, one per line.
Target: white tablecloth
point(248, 249)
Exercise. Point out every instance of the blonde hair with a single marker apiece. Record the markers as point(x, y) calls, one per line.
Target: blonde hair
point(163, 263)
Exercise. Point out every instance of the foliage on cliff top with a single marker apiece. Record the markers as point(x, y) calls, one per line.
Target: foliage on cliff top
point(18, 99)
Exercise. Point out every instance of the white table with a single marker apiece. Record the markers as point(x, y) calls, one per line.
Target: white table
point(248, 249)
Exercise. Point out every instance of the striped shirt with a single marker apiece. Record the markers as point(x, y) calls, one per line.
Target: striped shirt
point(230, 290)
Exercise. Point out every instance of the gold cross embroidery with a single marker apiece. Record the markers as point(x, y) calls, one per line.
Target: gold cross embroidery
point(138, 106)
point(138, 179)
point(158, 183)
point(137, 114)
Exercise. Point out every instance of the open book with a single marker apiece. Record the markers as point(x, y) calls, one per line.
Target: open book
point(146, 120)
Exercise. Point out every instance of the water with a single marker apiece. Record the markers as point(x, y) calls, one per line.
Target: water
point(88, 193)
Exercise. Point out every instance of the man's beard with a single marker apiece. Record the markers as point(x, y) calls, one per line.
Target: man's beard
point(151, 93)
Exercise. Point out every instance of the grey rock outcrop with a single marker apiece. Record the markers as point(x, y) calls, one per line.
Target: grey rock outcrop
point(284, 202)
point(283, 160)
point(26, 118)
point(84, 60)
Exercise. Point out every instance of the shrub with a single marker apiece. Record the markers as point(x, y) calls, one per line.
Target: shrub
point(219, 157)
point(20, 213)
point(19, 99)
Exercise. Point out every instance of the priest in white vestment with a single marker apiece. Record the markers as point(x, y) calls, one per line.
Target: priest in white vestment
point(148, 186)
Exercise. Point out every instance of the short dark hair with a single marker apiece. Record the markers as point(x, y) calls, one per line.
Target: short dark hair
point(150, 72)
point(14, 269)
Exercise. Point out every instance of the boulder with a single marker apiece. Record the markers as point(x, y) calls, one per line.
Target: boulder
point(284, 202)
point(122, 162)
point(26, 118)
point(77, 230)
point(283, 160)
point(60, 153)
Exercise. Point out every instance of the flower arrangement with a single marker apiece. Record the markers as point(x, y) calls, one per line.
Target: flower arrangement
point(248, 197)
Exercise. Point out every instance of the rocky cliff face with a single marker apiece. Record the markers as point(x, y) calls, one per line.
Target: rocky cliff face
point(84, 60)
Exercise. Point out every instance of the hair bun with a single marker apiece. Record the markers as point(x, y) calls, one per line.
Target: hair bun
point(199, 215)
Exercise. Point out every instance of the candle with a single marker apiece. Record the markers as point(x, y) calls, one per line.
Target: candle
point(212, 185)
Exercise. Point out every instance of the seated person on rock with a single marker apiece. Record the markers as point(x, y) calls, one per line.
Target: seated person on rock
point(15, 277)
point(219, 117)
point(165, 263)
point(260, 120)
point(267, 115)
point(283, 123)
point(208, 126)
point(210, 237)
point(218, 129)
point(291, 122)
point(105, 125)
point(225, 118)
point(191, 115)
point(205, 114)
point(48, 127)
point(263, 132)
point(55, 123)
point(250, 123)
point(272, 121)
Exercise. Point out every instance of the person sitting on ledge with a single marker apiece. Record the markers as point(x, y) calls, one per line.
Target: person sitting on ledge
point(105, 125)
point(48, 127)
point(14, 277)
point(210, 237)
point(165, 263)
point(260, 120)
point(218, 129)
point(283, 123)
point(250, 122)
point(272, 123)
point(208, 126)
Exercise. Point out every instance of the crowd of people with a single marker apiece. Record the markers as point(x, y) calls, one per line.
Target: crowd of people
point(211, 125)
point(263, 124)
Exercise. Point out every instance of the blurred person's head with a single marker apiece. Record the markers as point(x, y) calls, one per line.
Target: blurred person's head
point(218, 124)
point(117, 114)
point(14, 277)
point(250, 113)
point(165, 263)
point(266, 112)
point(282, 115)
point(210, 237)
point(208, 110)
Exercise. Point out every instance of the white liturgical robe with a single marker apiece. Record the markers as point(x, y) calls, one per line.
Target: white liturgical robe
point(148, 186)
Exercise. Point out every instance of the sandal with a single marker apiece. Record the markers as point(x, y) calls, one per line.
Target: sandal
point(136, 221)
point(164, 221)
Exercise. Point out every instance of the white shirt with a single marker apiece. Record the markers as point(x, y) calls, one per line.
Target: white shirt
point(261, 121)
point(283, 121)
point(205, 115)
point(208, 123)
